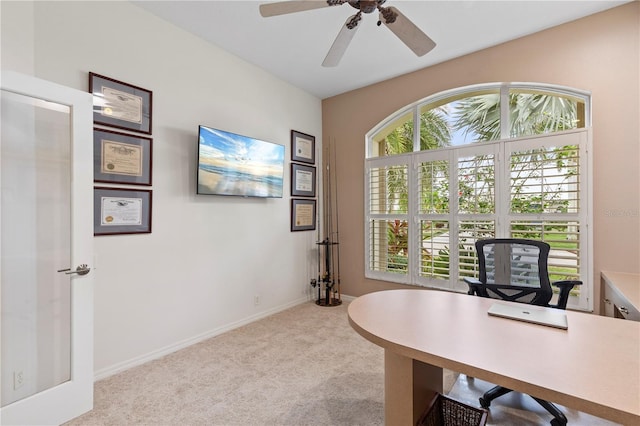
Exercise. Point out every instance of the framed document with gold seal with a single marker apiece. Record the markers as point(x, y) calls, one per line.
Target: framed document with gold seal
point(119, 104)
point(303, 214)
point(121, 211)
point(121, 158)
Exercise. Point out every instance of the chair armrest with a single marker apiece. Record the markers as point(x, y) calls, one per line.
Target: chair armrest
point(473, 284)
point(565, 287)
point(569, 284)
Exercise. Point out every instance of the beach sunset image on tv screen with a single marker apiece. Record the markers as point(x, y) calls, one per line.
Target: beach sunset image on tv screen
point(232, 164)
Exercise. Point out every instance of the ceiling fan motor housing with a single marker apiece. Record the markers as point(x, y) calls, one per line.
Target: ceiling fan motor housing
point(366, 6)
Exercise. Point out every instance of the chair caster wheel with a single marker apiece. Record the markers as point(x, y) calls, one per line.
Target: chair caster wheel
point(485, 404)
point(556, 422)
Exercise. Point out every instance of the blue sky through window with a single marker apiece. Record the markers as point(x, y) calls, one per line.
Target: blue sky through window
point(461, 136)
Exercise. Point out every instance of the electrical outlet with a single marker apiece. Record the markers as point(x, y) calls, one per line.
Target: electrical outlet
point(18, 379)
point(256, 299)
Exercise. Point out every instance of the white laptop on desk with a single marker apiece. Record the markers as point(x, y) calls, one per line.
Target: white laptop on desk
point(530, 313)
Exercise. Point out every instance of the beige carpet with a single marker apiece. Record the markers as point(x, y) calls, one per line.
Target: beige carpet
point(303, 366)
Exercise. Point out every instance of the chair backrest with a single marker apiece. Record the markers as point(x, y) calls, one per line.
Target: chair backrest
point(515, 270)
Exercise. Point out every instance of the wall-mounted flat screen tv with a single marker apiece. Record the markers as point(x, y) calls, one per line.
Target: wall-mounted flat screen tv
point(232, 164)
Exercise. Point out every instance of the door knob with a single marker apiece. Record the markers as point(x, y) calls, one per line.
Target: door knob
point(80, 270)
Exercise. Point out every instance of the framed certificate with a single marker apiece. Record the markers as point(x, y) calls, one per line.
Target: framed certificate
point(121, 211)
point(121, 158)
point(303, 215)
point(303, 147)
point(303, 180)
point(121, 105)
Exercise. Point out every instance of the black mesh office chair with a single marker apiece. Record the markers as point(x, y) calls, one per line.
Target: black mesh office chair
point(516, 270)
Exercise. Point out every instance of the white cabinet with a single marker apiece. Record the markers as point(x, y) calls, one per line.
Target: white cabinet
point(621, 295)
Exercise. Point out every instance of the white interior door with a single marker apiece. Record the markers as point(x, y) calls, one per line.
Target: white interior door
point(46, 233)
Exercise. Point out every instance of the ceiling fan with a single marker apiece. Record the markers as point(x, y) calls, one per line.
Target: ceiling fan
point(399, 24)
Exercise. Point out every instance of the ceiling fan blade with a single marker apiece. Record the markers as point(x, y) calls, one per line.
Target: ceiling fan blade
point(340, 44)
point(409, 33)
point(285, 7)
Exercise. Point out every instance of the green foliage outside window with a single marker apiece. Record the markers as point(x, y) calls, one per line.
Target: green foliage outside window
point(530, 114)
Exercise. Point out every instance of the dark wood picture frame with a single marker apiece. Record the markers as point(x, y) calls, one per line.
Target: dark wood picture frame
point(122, 158)
point(303, 214)
point(303, 180)
point(303, 147)
point(120, 105)
point(119, 211)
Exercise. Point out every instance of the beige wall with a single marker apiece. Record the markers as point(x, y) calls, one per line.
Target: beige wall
point(599, 54)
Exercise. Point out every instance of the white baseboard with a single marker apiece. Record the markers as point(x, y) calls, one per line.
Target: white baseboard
point(125, 365)
point(347, 298)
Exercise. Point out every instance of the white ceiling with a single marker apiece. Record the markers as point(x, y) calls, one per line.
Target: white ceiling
point(293, 46)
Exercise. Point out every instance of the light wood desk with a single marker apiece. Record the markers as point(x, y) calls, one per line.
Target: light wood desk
point(593, 367)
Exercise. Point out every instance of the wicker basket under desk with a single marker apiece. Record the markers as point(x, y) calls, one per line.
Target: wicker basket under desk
point(445, 411)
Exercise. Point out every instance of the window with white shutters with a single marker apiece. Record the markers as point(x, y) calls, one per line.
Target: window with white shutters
point(444, 172)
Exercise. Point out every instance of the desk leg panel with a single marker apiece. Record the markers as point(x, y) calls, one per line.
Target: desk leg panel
point(409, 385)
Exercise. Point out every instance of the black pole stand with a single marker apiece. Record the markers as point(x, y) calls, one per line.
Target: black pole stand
point(329, 278)
point(326, 278)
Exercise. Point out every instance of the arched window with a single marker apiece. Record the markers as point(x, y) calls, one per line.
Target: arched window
point(494, 160)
